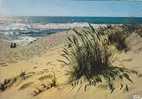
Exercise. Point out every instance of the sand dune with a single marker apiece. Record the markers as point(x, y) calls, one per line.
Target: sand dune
point(39, 62)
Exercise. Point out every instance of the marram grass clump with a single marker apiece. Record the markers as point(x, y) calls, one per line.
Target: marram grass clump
point(117, 35)
point(118, 38)
point(86, 53)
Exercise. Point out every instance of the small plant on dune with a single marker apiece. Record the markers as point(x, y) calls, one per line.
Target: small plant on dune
point(6, 83)
point(117, 35)
point(24, 75)
point(137, 28)
point(118, 38)
point(86, 53)
point(43, 87)
point(131, 27)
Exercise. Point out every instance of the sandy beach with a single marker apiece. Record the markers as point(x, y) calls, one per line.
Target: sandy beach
point(39, 62)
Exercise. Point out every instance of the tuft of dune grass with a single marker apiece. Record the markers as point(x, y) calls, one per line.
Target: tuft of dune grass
point(45, 77)
point(86, 53)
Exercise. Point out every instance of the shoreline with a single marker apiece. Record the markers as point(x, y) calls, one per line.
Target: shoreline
point(21, 32)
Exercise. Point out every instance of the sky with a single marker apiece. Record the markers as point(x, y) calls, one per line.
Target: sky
point(118, 8)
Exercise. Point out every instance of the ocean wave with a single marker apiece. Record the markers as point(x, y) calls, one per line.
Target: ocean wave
point(63, 25)
point(23, 26)
point(21, 32)
point(59, 25)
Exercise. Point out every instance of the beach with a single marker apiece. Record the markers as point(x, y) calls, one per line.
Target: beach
point(70, 49)
point(40, 59)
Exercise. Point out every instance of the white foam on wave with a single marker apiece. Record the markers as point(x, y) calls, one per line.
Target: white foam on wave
point(15, 28)
point(58, 25)
point(64, 25)
point(23, 26)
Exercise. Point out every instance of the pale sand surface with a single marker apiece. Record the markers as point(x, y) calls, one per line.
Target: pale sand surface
point(47, 62)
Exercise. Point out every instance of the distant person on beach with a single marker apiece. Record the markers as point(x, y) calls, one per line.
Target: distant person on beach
point(13, 45)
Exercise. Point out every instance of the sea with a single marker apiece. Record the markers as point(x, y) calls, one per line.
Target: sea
point(93, 20)
point(29, 28)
